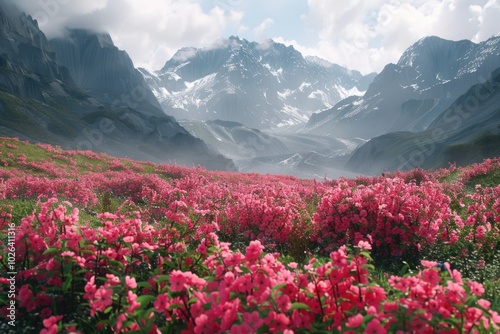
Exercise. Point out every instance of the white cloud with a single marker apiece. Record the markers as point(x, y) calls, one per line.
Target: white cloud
point(151, 31)
point(260, 30)
point(367, 35)
point(359, 34)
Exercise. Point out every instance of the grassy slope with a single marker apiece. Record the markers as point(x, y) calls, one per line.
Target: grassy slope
point(76, 163)
point(80, 163)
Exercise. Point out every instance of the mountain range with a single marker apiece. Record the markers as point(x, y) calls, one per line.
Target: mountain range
point(82, 92)
point(260, 85)
point(409, 95)
point(466, 132)
point(358, 133)
point(256, 107)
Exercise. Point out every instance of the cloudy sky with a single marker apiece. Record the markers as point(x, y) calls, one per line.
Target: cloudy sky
point(359, 34)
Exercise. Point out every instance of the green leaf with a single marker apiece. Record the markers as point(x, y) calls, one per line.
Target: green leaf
point(144, 285)
point(234, 295)
point(162, 278)
point(67, 283)
point(369, 267)
point(366, 255)
point(368, 318)
point(263, 329)
point(454, 322)
point(145, 299)
point(279, 286)
point(51, 250)
point(108, 309)
point(116, 263)
point(174, 306)
point(406, 269)
point(300, 306)
point(81, 271)
point(245, 270)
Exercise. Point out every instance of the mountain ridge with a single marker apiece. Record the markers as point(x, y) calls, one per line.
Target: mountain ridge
point(432, 73)
point(284, 88)
point(466, 132)
point(40, 101)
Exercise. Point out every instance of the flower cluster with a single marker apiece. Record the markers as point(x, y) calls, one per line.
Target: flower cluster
point(394, 215)
point(118, 245)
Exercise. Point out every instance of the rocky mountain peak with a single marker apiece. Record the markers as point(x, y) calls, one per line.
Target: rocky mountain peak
point(260, 85)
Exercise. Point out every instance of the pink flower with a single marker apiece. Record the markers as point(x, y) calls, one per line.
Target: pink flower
point(130, 282)
point(112, 279)
point(277, 321)
point(484, 303)
point(254, 250)
point(132, 300)
point(355, 321)
point(204, 325)
point(284, 303)
point(252, 322)
point(161, 303)
point(25, 294)
point(119, 322)
point(374, 327)
point(128, 239)
point(430, 276)
point(455, 293)
point(177, 280)
point(339, 257)
point(102, 299)
point(429, 264)
point(68, 253)
point(476, 288)
point(364, 245)
point(90, 288)
point(50, 325)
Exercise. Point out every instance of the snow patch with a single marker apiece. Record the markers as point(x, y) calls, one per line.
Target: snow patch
point(286, 93)
point(294, 160)
point(321, 95)
point(304, 85)
point(346, 92)
point(277, 73)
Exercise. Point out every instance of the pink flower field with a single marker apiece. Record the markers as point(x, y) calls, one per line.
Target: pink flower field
point(112, 245)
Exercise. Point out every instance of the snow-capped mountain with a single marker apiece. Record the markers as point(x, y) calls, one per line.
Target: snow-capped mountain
point(409, 95)
point(260, 85)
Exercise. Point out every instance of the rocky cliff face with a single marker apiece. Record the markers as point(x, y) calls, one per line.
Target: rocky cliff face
point(103, 71)
point(26, 61)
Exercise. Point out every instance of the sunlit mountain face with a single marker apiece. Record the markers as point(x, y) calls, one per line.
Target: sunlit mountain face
point(260, 85)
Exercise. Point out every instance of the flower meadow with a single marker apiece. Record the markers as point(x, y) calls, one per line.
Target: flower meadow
point(114, 245)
